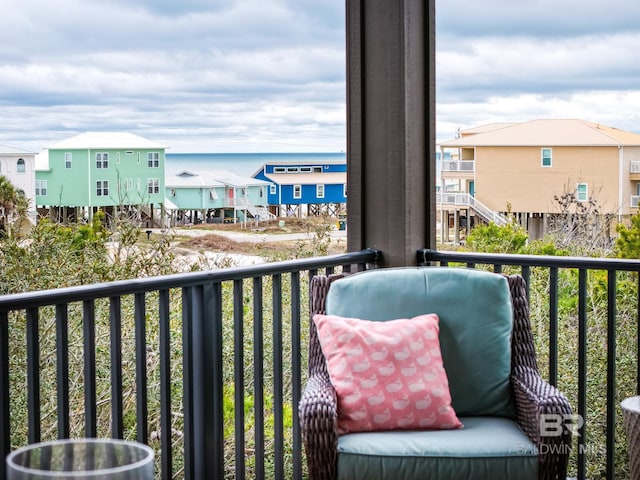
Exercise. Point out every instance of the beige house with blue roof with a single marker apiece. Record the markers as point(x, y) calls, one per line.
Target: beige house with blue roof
point(520, 167)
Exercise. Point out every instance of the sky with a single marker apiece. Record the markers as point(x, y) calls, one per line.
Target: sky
point(269, 75)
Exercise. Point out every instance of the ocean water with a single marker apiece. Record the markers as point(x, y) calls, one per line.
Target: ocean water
point(245, 164)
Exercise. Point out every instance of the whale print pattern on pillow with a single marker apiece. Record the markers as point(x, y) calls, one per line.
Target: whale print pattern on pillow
point(387, 375)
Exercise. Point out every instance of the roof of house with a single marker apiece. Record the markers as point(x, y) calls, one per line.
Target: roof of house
point(8, 150)
point(308, 178)
point(106, 140)
point(301, 163)
point(210, 179)
point(489, 127)
point(548, 133)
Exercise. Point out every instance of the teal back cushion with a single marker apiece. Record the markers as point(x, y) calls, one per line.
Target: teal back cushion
point(476, 320)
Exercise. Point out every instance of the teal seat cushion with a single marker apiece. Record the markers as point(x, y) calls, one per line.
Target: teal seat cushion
point(476, 320)
point(486, 448)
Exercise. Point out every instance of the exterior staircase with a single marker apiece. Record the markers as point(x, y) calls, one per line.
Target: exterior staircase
point(468, 201)
point(261, 213)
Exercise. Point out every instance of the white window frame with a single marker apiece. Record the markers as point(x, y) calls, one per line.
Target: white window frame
point(21, 166)
point(272, 189)
point(543, 157)
point(41, 188)
point(586, 192)
point(279, 170)
point(320, 190)
point(153, 185)
point(68, 160)
point(153, 159)
point(102, 188)
point(297, 192)
point(102, 160)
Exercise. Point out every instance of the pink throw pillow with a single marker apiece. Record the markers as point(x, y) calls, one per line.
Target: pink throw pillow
point(388, 375)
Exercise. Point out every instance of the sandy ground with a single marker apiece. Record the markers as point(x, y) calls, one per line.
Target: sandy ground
point(252, 237)
point(214, 260)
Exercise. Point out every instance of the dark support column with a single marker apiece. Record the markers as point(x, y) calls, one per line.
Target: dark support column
point(391, 127)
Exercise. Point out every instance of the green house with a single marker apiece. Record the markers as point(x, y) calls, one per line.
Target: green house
point(216, 196)
point(102, 170)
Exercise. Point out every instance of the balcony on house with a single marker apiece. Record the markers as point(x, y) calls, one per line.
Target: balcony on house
point(458, 166)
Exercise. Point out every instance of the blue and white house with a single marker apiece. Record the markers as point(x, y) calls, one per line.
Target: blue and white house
point(298, 188)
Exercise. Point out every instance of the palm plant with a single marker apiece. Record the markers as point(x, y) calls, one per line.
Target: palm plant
point(12, 202)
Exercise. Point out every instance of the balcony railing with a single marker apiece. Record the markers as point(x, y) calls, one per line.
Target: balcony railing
point(586, 314)
point(458, 166)
point(207, 367)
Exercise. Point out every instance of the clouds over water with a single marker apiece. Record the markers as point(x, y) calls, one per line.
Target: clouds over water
point(269, 75)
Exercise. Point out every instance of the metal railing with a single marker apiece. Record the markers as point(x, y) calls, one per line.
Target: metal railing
point(585, 317)
point(206, 367)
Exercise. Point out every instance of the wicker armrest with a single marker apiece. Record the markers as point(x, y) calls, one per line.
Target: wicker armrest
point(318, 412)
point(534, 398)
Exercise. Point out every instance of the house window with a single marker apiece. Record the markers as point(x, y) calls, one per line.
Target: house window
point(293, 169)
point(41, 187)
point(261, 193)
point(582, 192)
point(297, 191)
point(153, 160)
point(21, 165)
point(546, 157)
point(153, 185)
point(213, 195)
point(172, 192)
point(344, 190)
point(102, 160)
point(68, 157)
point(279, 170)
point(305, 169)
point(317, 169)
point(102, 188)
point(128, 184)
point(272, 189)
point(320, 191)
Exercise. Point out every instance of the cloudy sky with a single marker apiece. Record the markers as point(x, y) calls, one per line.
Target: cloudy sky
point(269, 75)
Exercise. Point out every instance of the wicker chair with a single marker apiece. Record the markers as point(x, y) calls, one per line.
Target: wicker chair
point(533, 396)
